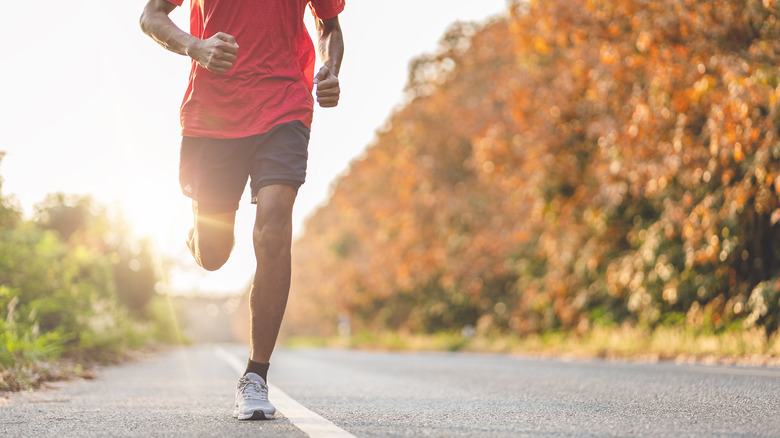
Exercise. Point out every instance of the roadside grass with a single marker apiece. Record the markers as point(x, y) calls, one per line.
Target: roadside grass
point(670, 343)
point(29, 359)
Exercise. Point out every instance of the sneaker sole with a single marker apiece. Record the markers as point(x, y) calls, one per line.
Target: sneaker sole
point(256, 415)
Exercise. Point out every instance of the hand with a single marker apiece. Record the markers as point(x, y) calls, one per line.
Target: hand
point(327, 88)
point(215, 54)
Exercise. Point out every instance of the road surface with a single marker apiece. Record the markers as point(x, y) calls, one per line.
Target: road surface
point(333, 393)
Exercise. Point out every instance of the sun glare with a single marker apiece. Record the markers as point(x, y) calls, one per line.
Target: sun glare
point(109, 128)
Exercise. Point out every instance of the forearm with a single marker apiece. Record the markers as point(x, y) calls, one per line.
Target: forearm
point(331, 44)
point(155, 22)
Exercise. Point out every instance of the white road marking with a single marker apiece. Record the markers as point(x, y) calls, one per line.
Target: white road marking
point(305, 420)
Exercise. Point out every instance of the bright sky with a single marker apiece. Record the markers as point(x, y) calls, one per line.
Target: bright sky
point(90, 106)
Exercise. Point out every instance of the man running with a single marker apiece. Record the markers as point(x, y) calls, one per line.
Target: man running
point(246, 115)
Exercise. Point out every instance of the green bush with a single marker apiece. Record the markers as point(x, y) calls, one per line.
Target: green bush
point(73, 284)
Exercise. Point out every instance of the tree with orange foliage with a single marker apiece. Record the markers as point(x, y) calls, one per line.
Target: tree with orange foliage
point(577, 161)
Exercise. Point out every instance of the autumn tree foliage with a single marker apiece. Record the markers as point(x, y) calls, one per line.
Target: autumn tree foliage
point(575, 162)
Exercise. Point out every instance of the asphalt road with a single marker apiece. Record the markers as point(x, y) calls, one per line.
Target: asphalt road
point(189, 392)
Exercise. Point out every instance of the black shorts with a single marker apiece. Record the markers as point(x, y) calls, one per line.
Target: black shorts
point(214, 171)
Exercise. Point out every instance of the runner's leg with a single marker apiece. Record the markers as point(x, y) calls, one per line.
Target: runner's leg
point(213, 172)
point(271, 286)
point(211, 239)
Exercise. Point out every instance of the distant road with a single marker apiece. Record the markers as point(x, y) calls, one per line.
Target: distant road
point(189, 392)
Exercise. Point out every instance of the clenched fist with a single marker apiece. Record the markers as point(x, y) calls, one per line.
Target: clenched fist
point(327, 88)
point(216, 54)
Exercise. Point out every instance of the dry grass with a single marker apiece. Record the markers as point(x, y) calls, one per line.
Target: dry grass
point(743, 347)
point(33, 375)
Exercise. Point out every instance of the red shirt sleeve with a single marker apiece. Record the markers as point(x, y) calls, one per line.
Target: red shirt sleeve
point(175, 2)
point(325, 9)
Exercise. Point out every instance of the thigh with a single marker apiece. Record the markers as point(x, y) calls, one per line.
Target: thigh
point(214, 228)
point(213, 172)
point(280, 157)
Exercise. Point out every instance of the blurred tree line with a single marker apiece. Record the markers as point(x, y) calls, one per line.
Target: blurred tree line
point(72, 280)
point(576, 162)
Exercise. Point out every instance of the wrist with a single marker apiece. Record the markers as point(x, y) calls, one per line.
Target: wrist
point(191, 47)
point(332, 69)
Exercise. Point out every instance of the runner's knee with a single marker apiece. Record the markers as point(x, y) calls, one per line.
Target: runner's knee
point(272, 237)
point(211, 260)
point(214, 238)
point(273, 227)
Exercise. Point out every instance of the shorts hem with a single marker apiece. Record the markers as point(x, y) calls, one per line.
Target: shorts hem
point(270, 182)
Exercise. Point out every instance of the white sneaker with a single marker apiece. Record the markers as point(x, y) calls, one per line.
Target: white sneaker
point(252, 399)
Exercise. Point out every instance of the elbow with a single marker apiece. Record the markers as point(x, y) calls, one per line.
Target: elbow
point(147, 18)
point(143, 21)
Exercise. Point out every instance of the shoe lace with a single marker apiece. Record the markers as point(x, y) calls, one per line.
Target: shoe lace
point(253, 389)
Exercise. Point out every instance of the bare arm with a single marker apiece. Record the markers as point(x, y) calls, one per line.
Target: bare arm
point(331, 45)
point(216, 54)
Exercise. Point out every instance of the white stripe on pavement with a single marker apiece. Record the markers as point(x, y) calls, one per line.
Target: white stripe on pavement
point(305, 420)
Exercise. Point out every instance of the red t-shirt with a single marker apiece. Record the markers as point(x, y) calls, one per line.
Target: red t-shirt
point(270, 82)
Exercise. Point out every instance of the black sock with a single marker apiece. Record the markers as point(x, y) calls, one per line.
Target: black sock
point(261, 369)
